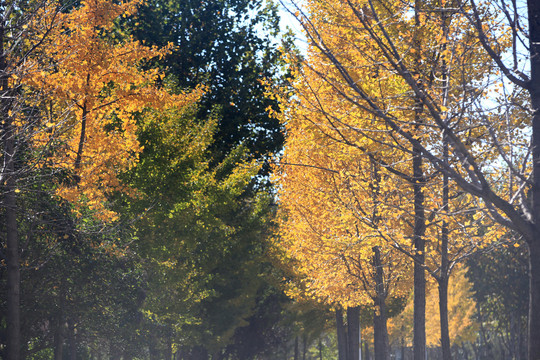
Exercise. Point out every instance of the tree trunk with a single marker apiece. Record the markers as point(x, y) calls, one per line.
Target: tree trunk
point(534, 300)
point(533, 7)
point(419, 302)
point(353, 333)
point(296, 349)
point(380, 331)
point(304, 346)
point(59, 338)
point(72, 340)
point(13, 316)
point(443, 311)
point(168, 349)
point(419, 312)
point(341, 335)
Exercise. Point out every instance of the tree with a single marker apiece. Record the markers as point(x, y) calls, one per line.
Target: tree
point(462, 323)
point(95, 75)
point(221, 45)
point(499, 280)
point(38, 43)
point(473, 149)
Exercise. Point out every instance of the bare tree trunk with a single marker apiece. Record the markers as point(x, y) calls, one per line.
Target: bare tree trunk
point(296, 349)
point(419, 312)
point(59, 337)
point(72, 340)
point(341, 335)
point(168, 349)
point(443, 310)
point(353, 333)
point(533, 7)
point(534, 307)
point(304, 346)
point(419, 275)
point(380, 331)
point(13, 316)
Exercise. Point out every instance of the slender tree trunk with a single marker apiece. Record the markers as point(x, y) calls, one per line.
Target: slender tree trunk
point(72, 340)
point(534, 244)
point(13, 270)
point(296, 349)
point(353, 333)
point(304, 346)
point(9, 199)
point(419, 275)
point(320, 349)
point(443, 311)
point(341, 335)
point(534, 301)
point(380, 331)
point(59, 337)
point(168, 350)
point(419, 312)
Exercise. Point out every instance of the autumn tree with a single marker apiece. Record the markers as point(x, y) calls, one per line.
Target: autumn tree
point(95, 74)
point(72, 89)
point(334, 202)
point(438, 76)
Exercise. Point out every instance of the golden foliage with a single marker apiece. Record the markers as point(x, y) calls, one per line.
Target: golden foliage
point(95, 82)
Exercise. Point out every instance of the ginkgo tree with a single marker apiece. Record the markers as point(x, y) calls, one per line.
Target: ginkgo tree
point(335, 201)
point(94, 76)
point(350, 55)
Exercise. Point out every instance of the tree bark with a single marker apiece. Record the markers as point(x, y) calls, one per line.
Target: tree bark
point(534, 301)
point(59, 337)
point(533, 7)
point(304, 346)
point(443, 311)
point(419, 312)
point(72, 340)
point(353, 333)
point(341, 335)
point(380, 331)
point(419, 275)
point(296, 349)
point(13, 316)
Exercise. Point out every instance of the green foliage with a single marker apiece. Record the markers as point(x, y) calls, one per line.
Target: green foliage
point(500, 284)
point(223, 45)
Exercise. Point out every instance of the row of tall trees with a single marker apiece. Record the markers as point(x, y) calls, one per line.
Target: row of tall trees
point(135, 200)
point(411, 145)
point(137, 144)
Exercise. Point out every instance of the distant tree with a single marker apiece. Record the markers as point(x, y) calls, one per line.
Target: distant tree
point(231, 47)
